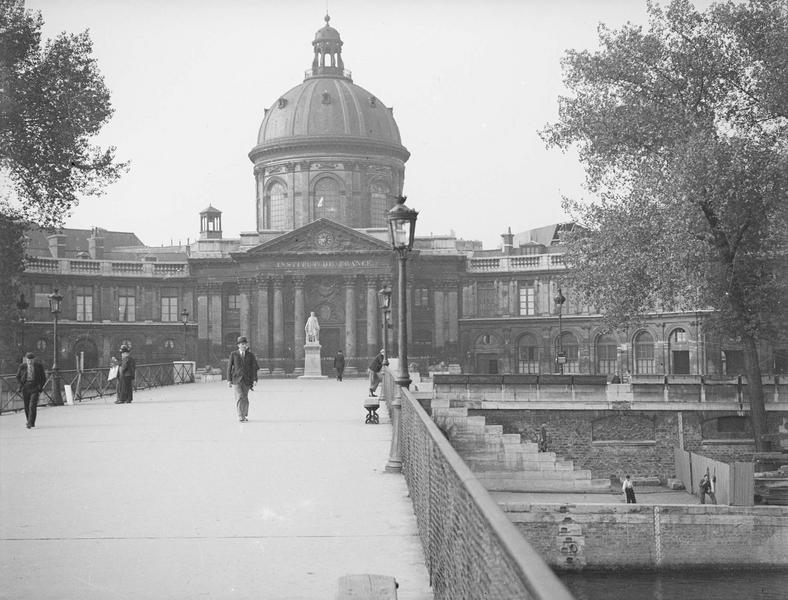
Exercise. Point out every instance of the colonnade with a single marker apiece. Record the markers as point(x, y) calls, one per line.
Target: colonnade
point(263, 315)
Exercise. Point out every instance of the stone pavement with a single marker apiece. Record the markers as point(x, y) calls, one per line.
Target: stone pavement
point(172, 497)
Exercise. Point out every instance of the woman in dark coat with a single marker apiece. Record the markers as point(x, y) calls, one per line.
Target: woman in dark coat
point(125, 376)
point(339, 364)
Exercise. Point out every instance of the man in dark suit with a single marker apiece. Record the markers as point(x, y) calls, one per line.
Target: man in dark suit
point(339, 364)
point(31, 377)
point(126, 372)
point(242, 375)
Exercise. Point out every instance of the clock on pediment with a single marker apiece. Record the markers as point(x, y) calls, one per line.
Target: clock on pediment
point(325, 239)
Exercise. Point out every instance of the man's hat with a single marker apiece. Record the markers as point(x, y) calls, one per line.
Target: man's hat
point(125, 349)
point(242, 340)
point(30, 355)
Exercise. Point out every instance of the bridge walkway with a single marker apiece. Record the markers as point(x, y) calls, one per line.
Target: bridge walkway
point(172, 497)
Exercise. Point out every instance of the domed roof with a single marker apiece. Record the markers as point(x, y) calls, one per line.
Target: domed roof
point(328, 106)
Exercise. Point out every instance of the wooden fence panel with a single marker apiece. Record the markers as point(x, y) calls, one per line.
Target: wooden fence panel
point(743, 484)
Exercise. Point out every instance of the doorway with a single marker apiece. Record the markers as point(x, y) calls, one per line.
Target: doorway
point(681, 362)
point(487, 364)
point(330, 341)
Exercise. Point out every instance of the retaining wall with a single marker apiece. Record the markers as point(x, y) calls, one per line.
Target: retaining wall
point(604, 536)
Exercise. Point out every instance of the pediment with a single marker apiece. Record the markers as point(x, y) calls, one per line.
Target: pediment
point(321, 237)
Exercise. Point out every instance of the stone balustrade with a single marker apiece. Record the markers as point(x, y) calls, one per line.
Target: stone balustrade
point(115, 268)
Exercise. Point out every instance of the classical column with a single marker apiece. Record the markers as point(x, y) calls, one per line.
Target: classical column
point(453, 316)
point(300, 318)
point(374, 318)
point(202, 312)
point(261, 337)
point(350, 316)
point(215, 315)
point(439, 336)
point(279, 317)
point(244, 297)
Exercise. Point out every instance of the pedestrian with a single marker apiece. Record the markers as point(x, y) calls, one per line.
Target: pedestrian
point(126, 373)
point(629, 490)
point(241, 376)
point(31, 377)
point(374, 372)
point(543, 438)
point(706, 488)
point(339, 364)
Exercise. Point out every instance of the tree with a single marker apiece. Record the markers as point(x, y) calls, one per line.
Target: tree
point(52, 102)
point(683, 131)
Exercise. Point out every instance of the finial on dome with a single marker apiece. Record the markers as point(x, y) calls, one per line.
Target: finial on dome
point(327, 18)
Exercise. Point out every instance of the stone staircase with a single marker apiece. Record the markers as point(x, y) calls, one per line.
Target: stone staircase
point(503, 463)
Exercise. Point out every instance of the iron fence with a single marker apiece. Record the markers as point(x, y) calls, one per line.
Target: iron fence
point(93, 383)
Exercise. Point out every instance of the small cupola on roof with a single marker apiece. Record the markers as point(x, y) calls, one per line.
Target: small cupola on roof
point(328, 53)
point(211, 224)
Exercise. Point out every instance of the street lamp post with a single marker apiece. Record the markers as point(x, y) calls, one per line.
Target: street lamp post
point(560, 357)
point(22, 306)
point(402, 226)
point(54, 306)
point(384, 304)
point(185, 319)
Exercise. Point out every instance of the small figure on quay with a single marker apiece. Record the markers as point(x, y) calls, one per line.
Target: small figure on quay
point(312, 328)
point(31, 377)
point(241, 376)
point(126, 373)
point(706, 488)
point(629, 490)
point(339, 364)
point(543, 438)
point(374, 372)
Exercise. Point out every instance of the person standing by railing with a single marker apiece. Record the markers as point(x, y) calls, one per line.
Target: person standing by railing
point(126, 372)
point(374, 372)
point(32, 378)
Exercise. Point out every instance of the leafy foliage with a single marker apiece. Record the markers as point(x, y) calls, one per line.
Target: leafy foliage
point(52, 101)
point(683, 129)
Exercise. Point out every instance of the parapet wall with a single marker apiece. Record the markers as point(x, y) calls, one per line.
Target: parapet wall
point(604, 536)
point(472, 550)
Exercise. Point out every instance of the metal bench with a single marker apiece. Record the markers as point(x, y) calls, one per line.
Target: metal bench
point(372, 405)
point(366, 587)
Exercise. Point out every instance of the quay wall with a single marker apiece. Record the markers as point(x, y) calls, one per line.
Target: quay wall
point(610, 536)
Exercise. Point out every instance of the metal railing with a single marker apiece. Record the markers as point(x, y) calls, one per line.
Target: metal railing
point(93, 383)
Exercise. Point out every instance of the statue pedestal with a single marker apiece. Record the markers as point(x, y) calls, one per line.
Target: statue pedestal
point(312, 368)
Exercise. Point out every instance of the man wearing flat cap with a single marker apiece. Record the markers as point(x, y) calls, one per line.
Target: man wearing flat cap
point(31, 377)
point(126, 371)
point(374, 371)
point(242, 375)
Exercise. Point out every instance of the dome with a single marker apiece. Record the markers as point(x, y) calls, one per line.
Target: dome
point(326, 32)
point(328, 106)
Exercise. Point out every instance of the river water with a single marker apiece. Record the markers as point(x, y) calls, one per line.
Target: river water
point(678, 585)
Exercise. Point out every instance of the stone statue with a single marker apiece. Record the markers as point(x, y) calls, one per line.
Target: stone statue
point(312, 328)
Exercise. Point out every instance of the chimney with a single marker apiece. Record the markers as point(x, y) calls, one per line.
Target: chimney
point(96, 245)
point(57, 245)
point(508, 241)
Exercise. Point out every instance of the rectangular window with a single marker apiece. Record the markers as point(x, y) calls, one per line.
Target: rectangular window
point(233, 302)
point(488, 300)
point(527, 299)
point(41, 296)
point(84, 300)
point(126, 304)
point(421, 297)
point(169, 308)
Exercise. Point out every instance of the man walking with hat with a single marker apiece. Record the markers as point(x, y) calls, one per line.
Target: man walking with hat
point(242, 375)
point(31, 377)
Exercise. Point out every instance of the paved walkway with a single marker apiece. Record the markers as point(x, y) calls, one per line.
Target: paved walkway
point(172, 497)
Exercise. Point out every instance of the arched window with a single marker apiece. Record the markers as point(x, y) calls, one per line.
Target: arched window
point(678, 336)
point(527, 354)
point(378, 205)
point(276, 206)
point(606, 351)
point(644, 354)
point(327, 199)
point(570, 347)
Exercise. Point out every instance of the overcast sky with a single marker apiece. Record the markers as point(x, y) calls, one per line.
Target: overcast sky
point(471, 82)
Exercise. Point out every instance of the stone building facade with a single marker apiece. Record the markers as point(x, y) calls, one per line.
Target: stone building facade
point(328, 165)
